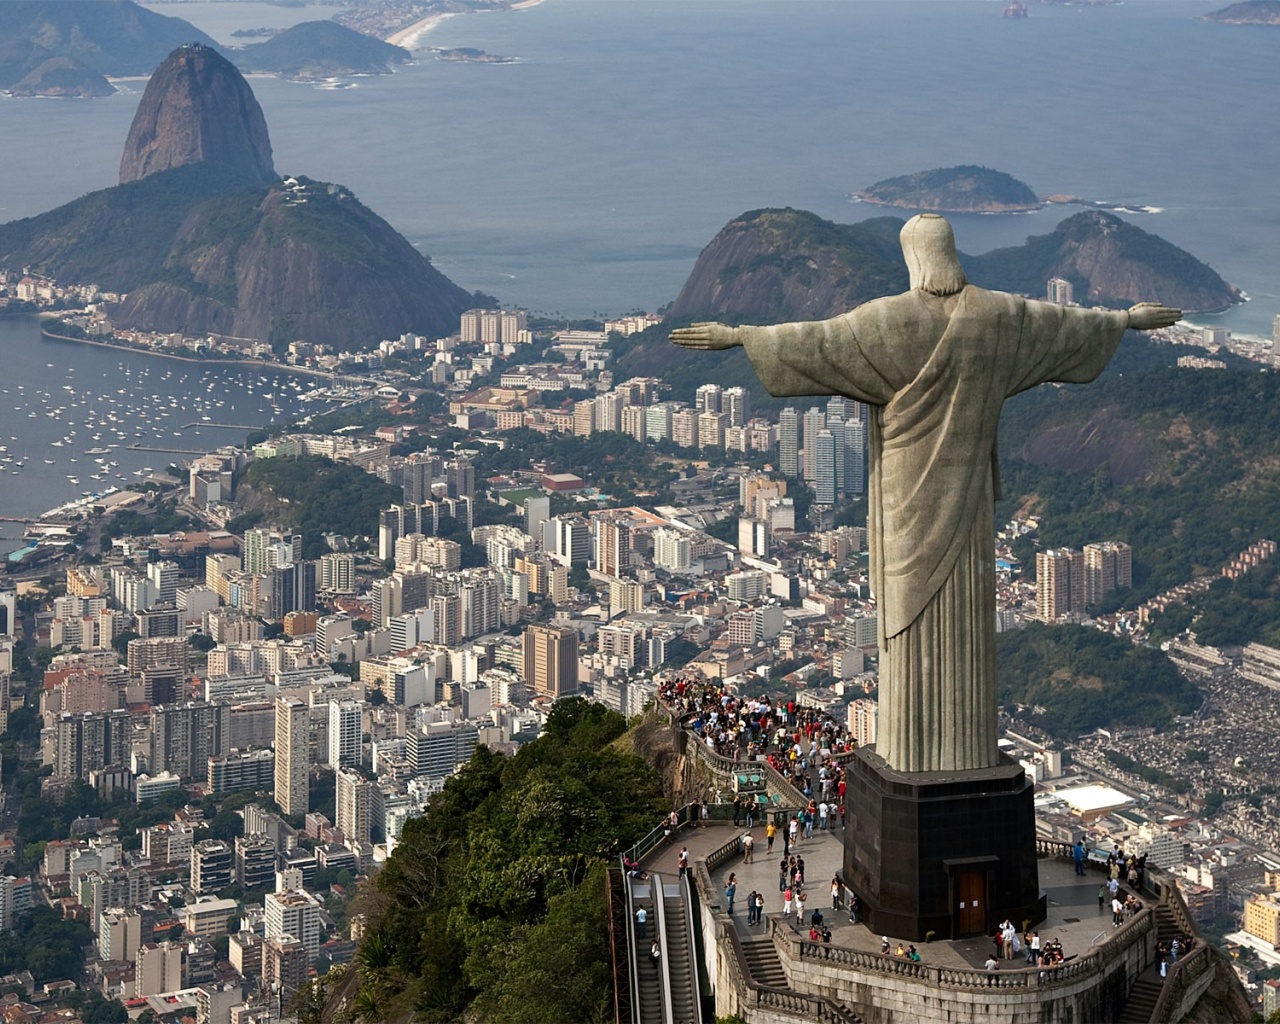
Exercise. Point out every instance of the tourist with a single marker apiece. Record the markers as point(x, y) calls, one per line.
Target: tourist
point(737, 812)
point(901, 950)
point(884, 945)
point(913, 954)
point(642, 922)
point(786, 902)
point(749, 810)
point(801, 896)
point(748, 848)
point(682, 861)
point(655, 952)
point(730, 891)
point(855, 906)
point(816, 916)
point(1117, 911)
point(814, 934)
point(784, 874)
point(835, 893)
point(770, 830)
point(1102, 897)
point(759, 908)
point(992, 966)
point(704, 812)
point(1033, 948)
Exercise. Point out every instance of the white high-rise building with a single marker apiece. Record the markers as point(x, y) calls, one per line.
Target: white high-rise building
point(293, 754)
point(293, 912)
point(352, 804)
point(707, 398)
point(789, 442)
point(345, 727)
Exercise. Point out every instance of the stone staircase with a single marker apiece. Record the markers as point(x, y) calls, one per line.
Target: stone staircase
point(763, 965)
point(1146, 990)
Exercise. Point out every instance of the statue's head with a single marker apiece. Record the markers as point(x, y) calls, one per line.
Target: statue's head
point(929, 248)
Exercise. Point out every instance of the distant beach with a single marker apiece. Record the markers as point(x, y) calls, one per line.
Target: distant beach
point(411, 38)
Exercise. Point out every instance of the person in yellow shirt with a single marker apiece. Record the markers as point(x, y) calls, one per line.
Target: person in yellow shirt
point(770, 831)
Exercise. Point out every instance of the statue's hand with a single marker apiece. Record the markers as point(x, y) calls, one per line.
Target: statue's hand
point(1147, 316)
point(707, 337)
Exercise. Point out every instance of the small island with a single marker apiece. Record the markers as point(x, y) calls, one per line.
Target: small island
point(318, 50)
point(963, 189)
point(467, 55)
point(1250, 12)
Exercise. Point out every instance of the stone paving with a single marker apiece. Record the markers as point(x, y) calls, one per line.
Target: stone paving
point(1074, 917)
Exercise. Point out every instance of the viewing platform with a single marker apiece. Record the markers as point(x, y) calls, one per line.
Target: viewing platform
point(771, 972)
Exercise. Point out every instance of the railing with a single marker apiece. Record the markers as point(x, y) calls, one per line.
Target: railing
point(1181, 977)
point(632, 973)
point(1093, 962)
point(784, 999)
point(1184, 971)
point(656, 837)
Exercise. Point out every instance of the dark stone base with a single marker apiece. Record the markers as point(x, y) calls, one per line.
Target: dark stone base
point(953, 853)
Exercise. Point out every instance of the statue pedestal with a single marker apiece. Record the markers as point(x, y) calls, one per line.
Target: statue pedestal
point(949, 852)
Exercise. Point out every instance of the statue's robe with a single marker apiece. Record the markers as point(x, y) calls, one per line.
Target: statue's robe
point(936, 371)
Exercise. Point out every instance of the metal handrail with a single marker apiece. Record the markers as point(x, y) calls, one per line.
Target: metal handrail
point(664, 961)
point(633, 954)
point(686, 898)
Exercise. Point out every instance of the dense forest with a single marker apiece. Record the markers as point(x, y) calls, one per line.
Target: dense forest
point(1180, 464)
point(1084, 679)
point(492, 907)
point(315, 495)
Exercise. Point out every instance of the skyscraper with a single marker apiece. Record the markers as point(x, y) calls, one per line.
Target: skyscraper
point(1059, 583)
point(814, 420)
point(551, 659)
point(855, 457)
point(707, 398)
point(353, 801)
point(613, 545)
point(1107, 566)
point(736, 403)
point(345, 721)
point(293, 754)
point(824, 478)
point(789, 442)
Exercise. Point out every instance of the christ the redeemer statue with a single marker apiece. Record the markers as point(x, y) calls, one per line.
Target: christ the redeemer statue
point(935, 364)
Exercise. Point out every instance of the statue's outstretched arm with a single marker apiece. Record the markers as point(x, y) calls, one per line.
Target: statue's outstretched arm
point(1148, 316)
point(707, 337)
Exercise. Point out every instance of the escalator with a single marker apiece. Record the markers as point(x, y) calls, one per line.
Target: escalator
point(665, 991)
point(682, 967)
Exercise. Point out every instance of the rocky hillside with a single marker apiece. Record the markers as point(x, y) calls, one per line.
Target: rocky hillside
point(198, 108)
point(205, 239)
point(964, 189)
point(1110, 262)
point(771, 265)
point(301, 260)
point(1251, 12)
point(106, 37)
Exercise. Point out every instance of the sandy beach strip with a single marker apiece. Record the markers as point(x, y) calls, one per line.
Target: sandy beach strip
point(410, 38)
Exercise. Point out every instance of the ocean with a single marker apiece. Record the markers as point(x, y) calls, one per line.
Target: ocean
point(584, 179)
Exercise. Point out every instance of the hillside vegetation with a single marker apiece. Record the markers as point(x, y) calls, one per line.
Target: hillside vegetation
point(314, 496)
point(493, 907)
point(321, 49)
point(964, 189)
point(1083, 679)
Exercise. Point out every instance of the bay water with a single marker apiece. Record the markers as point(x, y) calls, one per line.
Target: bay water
point(585, 178)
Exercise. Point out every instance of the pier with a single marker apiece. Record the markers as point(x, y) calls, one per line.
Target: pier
point(135, 447)
point(225, 426)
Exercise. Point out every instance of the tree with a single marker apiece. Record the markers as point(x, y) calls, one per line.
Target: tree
point(120, 644)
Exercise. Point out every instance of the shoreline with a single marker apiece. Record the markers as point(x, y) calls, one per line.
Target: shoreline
point(410, 38)
point(278, 367)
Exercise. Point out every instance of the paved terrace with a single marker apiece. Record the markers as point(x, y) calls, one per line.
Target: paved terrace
point(1074, 918)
